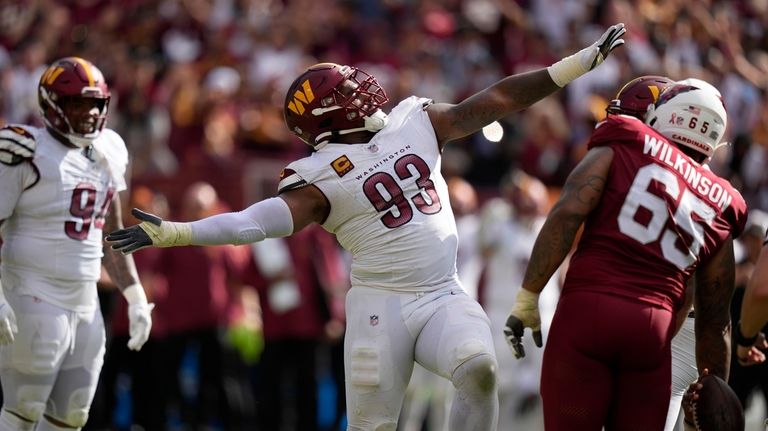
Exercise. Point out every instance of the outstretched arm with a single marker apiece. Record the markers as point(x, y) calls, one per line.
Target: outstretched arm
point(518, 92)
point(270, 218)
point(714, 288)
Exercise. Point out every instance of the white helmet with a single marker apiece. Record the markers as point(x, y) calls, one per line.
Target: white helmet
point(690, 113)
point(701, 84)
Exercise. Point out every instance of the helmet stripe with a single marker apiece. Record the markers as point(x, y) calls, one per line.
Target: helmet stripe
point(654, 91)
point(87, 69)
point(50, 75)
point(621, 90)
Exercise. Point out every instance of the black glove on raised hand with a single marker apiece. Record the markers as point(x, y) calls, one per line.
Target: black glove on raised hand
point(573, 66)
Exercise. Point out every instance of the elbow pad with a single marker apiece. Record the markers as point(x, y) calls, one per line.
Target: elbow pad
point(270, 218)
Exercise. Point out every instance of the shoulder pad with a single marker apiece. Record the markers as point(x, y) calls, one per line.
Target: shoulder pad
point(16, 145)
point(290, 180)
point(617, 129)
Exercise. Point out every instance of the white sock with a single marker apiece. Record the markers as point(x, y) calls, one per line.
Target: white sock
point(45, 425)
point(11, 422)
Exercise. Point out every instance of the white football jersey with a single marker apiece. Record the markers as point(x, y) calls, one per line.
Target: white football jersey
point(389, 202)
point(52, 233)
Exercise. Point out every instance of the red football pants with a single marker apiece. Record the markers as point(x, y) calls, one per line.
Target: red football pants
point(607, 362)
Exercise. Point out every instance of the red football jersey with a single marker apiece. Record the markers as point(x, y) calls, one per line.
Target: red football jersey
point(660, 216)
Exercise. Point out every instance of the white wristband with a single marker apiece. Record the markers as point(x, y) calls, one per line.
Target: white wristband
point(567, 69)
point(134, 294)
point(525, 300)
point(176, 234)
point(168, 234)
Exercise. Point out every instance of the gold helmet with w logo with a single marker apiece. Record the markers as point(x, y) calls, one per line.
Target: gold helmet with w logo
point(635, 96)
point(329, 100)
point(74, 100)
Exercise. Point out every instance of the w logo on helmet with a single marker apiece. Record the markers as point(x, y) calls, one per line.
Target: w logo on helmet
point(50, 75)
point(655, 91)
point(302, 96)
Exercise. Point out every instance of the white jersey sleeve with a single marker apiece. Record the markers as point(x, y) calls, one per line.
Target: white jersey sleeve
point(388, 202)
point(13, 181)
point(52, 238)
point(112, 147)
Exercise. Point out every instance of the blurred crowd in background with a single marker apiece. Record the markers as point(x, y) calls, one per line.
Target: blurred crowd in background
point(197, 93)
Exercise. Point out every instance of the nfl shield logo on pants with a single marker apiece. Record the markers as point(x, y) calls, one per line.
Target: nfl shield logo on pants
point(374, 320)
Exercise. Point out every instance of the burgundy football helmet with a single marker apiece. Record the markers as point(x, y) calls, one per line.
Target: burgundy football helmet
point(74, 100)
point(329, 100)
point(635, 96)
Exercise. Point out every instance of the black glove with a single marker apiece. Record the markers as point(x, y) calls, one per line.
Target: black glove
point(525, 314)
point(573, 66)
point(136, 237)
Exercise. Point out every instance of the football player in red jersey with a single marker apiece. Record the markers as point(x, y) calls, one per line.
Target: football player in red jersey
point(654, 216)
point(633, 99)
point(375, 182)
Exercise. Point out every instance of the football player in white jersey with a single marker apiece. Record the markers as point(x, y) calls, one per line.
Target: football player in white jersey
point(375, 183)
point(58, 192)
